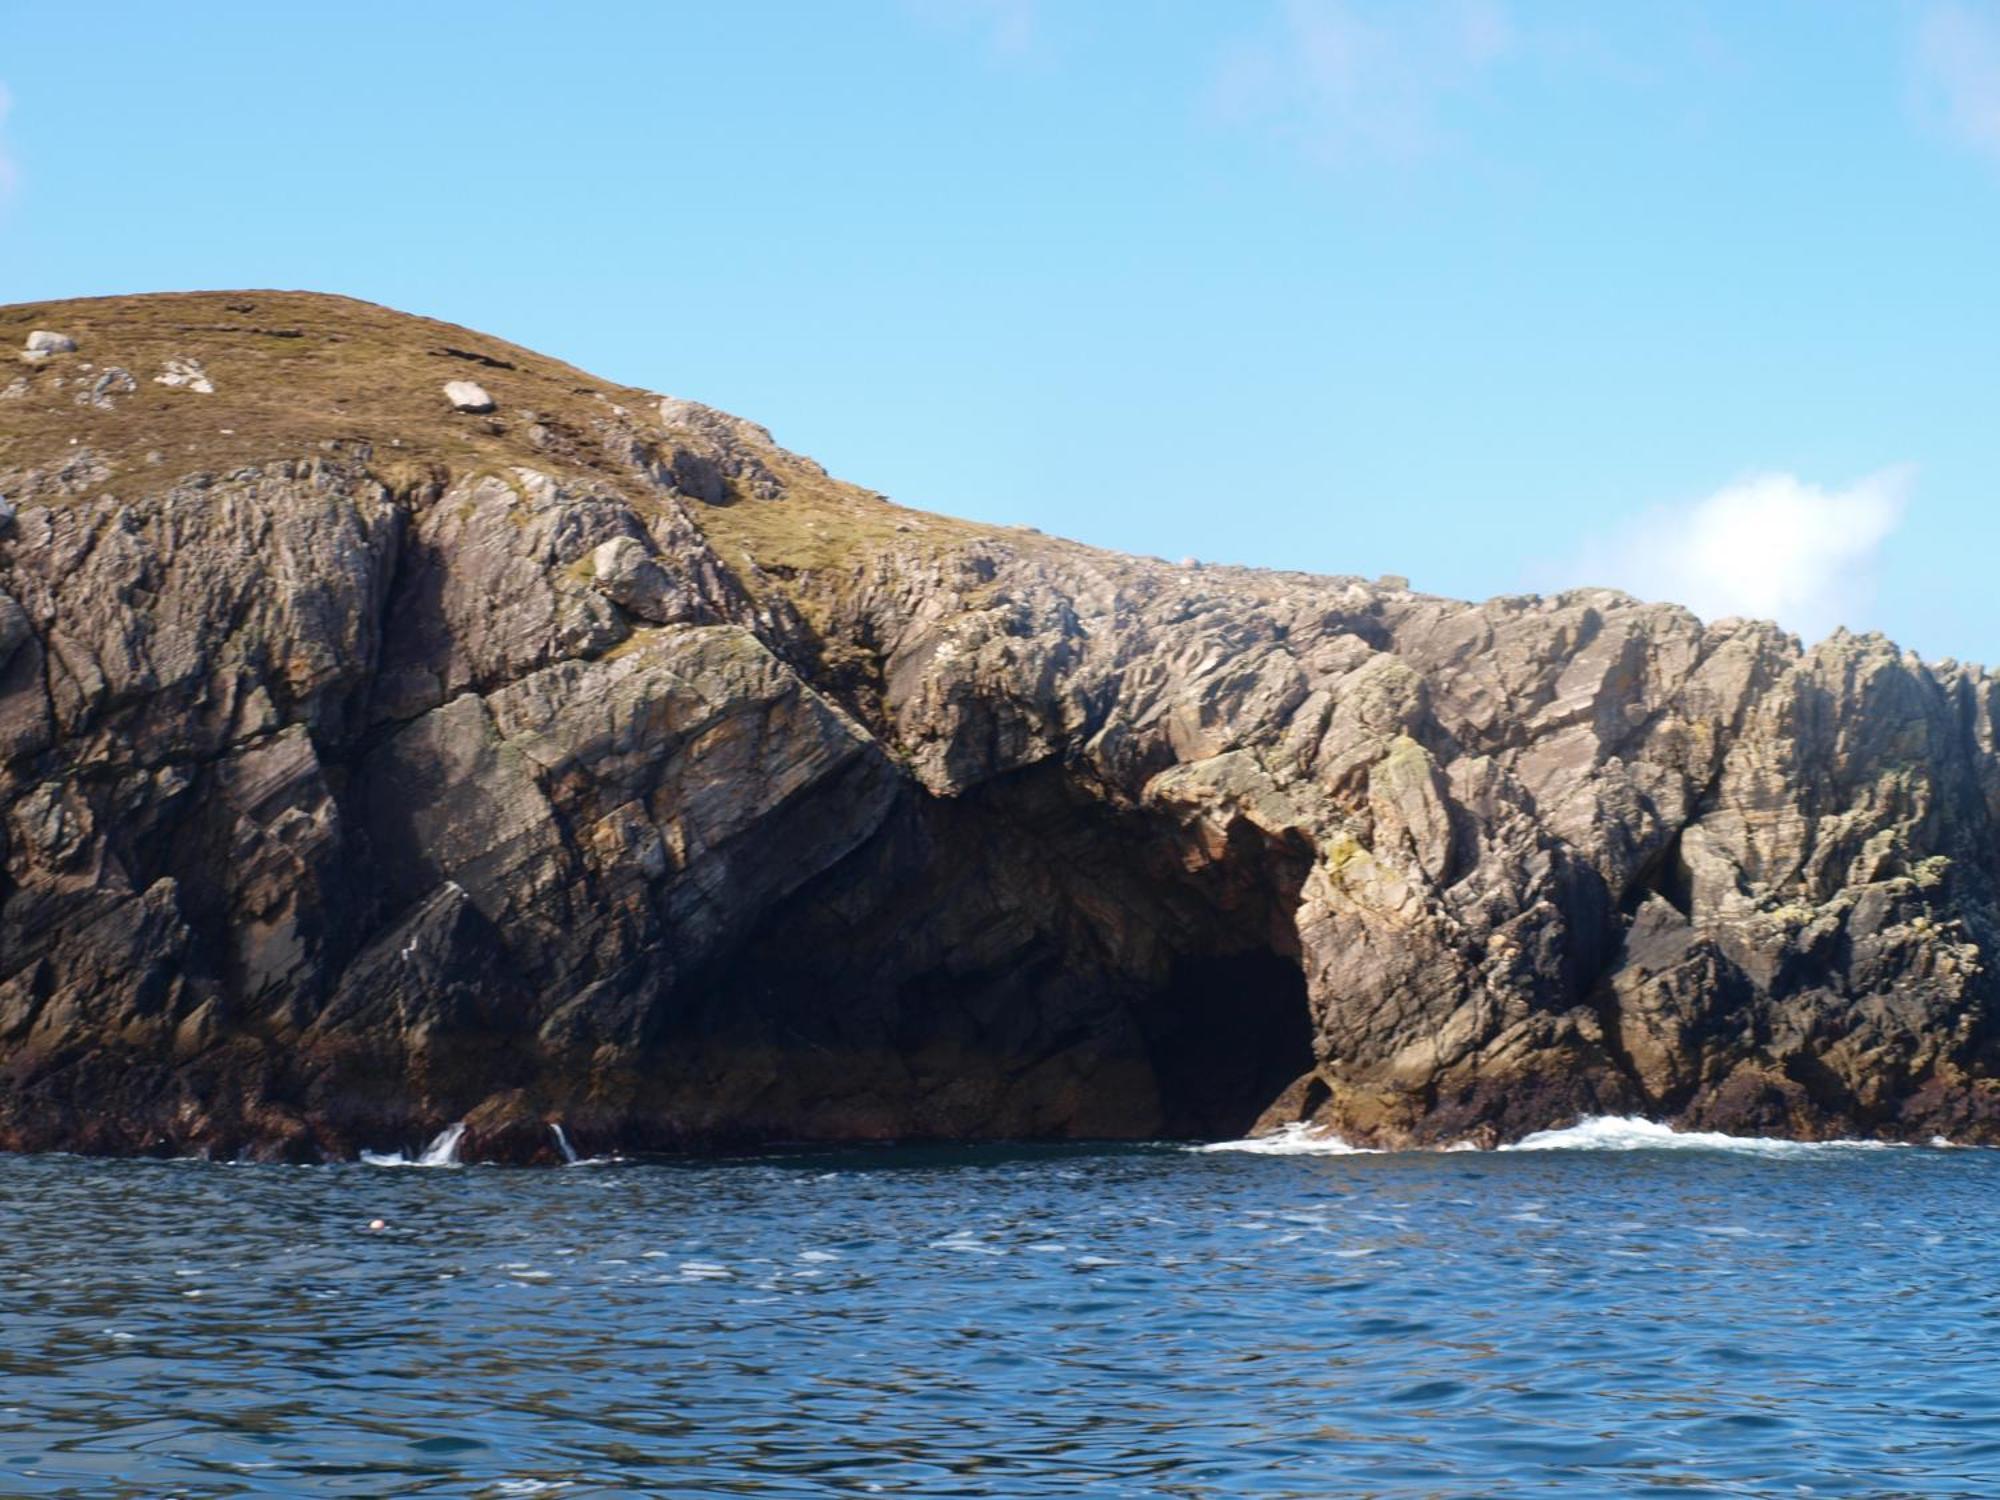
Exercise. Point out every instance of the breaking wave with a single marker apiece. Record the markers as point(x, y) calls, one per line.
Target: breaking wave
point(1291, 1140)
point(1630, 1133)
point(441, 1152)
point(1597, 1133)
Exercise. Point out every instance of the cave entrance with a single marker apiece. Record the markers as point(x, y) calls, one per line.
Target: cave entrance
point(1226, 1036)
point(1023, 962)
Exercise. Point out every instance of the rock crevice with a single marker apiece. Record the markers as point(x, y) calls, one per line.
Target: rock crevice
point(371, 764)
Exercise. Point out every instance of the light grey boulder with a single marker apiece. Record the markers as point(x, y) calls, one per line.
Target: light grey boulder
point(467, 396)
point(632, 578)
point(187, 374)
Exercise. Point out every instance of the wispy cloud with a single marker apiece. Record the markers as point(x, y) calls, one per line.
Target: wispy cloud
point(1958, 71)
point(1771, 547)
point(1007, 27)
point(1353, 81)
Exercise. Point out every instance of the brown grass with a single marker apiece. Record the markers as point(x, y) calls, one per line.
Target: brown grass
point(296, 373)
point(293, 371)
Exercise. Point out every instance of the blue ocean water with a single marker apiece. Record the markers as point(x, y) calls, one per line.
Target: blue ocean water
point(1619, 1319)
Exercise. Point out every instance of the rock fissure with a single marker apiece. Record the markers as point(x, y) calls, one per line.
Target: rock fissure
point(603, 760)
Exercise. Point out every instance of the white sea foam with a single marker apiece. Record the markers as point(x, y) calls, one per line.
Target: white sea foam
point(441, 1152)
point(1629, 1133)
point(1290, 1140)
point(569, 1152)
point(966, 1243)
point(1597, 1133)
point(562, 1142)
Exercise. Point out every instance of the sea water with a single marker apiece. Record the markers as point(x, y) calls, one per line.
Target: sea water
point(1636, 1314)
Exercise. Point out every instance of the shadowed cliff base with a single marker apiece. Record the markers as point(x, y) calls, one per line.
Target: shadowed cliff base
point(374, 758)
point(1019, 962)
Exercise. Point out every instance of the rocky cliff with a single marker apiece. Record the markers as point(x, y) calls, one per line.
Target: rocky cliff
point(377, 757)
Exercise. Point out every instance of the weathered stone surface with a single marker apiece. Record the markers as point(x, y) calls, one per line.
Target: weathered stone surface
point(105, 387)
point(185, 374)
point(348, 795)
point(42, 342)
point(467, 395)
point(628, 574)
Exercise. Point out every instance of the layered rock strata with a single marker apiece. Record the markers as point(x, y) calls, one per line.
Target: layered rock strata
point(372, 763)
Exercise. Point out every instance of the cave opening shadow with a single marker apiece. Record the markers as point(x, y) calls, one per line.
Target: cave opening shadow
point(1226, 1036)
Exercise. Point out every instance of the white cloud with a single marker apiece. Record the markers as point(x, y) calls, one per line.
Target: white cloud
point(1771, 547)
point(1958, 71)
point(1353, 81)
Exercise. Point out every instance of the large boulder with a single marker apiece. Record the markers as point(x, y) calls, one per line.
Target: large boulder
point(467, 396)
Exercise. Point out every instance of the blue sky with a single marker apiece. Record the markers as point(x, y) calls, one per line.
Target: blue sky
point(1700, 300)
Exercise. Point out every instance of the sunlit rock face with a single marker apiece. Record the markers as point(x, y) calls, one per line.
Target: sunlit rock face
point(375, 762)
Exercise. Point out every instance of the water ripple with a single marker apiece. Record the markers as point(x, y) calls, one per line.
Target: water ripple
point(1145, 1322)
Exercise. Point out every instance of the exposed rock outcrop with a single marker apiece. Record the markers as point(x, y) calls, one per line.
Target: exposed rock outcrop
point(366, 769)
point(186, 374)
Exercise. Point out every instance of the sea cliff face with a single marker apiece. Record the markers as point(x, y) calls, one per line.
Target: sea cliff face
point(376, 758)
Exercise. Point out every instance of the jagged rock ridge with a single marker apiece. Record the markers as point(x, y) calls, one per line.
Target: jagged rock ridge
point(373, 760)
